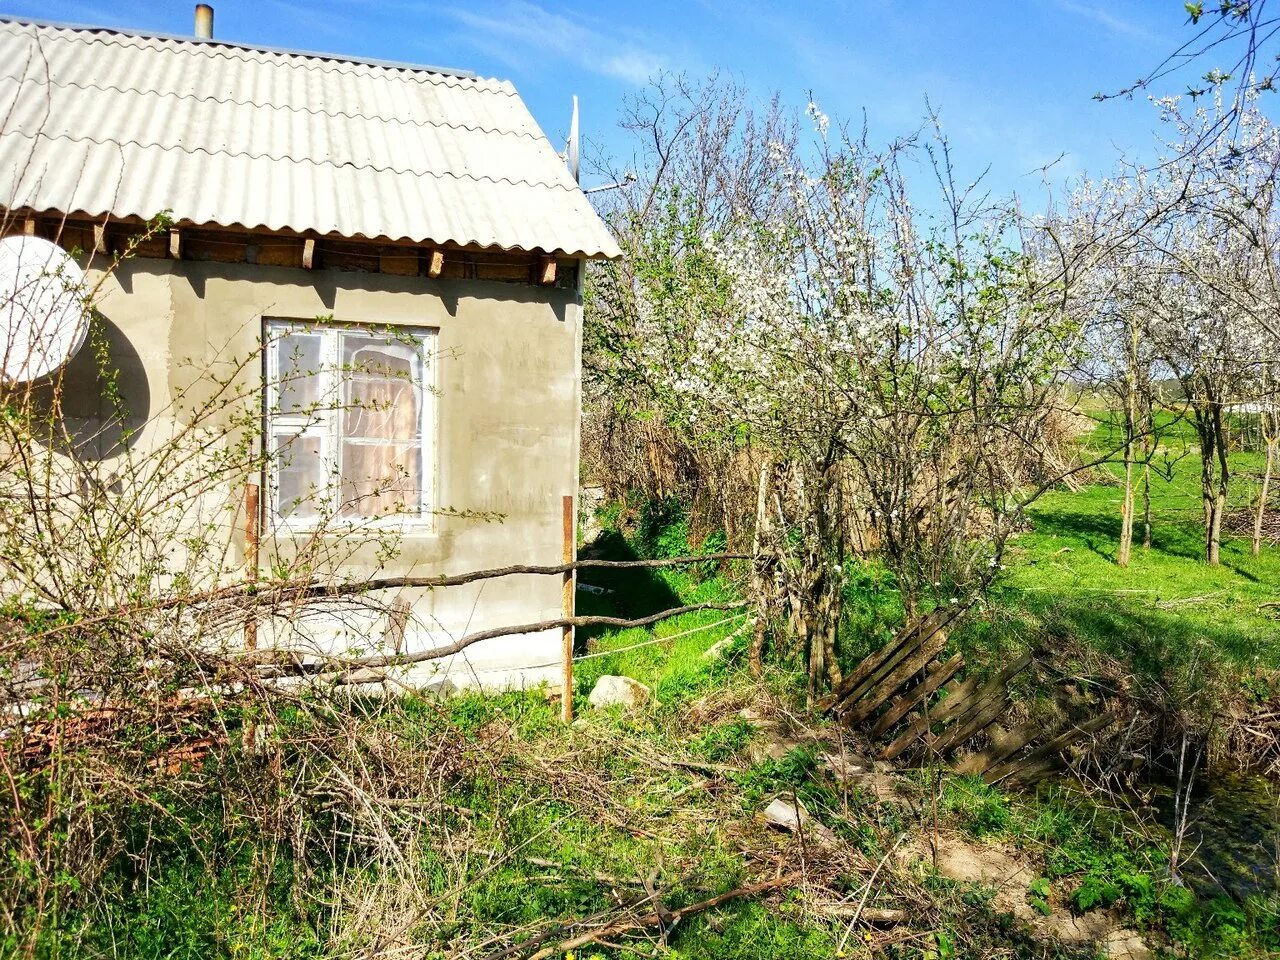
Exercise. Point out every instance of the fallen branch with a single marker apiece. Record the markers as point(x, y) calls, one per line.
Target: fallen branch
point(268, 668)
point(667, 918)
point(320, 591)
point(265, 595)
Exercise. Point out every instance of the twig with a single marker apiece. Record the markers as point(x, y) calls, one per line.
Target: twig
point(669, 917)
point(324, 663)
point(867, 892)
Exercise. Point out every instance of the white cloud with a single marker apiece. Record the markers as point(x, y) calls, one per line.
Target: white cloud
point(519, 32)
point(1107, 19)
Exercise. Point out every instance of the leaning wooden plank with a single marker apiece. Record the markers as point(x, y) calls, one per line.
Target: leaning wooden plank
point(994, 689)
point(990, 708)
point(986, 705)
point(886, 666)
point(1026, 776)
point(1049, 750)
point(959, 700)
point(870, 663)
point(1000, 750)
point(959, 709)
point(938, 674)
point(855, 712)
point(907, 641)
point(956, 695)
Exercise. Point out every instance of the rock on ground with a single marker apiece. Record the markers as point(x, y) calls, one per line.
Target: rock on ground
point(612, 691)
point(784, 813)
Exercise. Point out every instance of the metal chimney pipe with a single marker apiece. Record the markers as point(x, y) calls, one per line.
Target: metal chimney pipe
point(204, 21)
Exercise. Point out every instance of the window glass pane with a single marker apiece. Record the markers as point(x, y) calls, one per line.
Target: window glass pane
point(368, 460)
point(301, 478)
point(299, 371)
point(379, 479)
point(382, 389)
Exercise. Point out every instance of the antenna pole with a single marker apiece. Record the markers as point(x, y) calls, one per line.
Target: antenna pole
point(572, 149)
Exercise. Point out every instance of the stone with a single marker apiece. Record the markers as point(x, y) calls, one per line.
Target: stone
point(611, 691)
point(1125, 944)
point(444, 687)
point(783, 813)
point(789, 815)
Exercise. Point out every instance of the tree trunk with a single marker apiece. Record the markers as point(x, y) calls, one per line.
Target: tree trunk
point(1146, 506)
point(1126, 510)
point(759, 583)
point(1260, 517)
point(1220, 495)
point(1213, 476)
point(817, 648)
point(1148, 452)
point(1215, 529)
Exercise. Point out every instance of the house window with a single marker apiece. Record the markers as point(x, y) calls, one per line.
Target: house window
point(349, 415)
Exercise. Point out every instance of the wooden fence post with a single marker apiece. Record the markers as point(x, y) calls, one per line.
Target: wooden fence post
point(252, 531)
point(566, 638)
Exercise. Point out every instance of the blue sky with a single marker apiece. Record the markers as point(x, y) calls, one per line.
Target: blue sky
point(1013, 79)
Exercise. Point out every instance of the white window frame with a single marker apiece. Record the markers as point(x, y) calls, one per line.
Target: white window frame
point(326, 424)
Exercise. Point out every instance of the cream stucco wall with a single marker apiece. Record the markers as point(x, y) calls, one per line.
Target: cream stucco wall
point(507, 427)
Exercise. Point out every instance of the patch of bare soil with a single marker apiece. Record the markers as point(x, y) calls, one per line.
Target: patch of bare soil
point(1009, 872)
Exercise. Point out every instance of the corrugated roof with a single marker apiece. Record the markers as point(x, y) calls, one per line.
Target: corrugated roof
point(101, 122)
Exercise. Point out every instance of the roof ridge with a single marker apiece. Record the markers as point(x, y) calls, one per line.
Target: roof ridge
point(283, 158)
point(209, 47)
point(315, 112)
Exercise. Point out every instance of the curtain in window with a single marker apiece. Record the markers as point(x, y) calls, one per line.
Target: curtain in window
point(381, 469)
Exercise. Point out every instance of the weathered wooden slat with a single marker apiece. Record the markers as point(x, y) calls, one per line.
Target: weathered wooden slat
point(987, 709)
point(981, 761)
point(938, 674)
point(869, 664)
point(989, 704)
point(1026, 775)
point(1010, 768)
point(544, 273)
point(960, 700)
point(858, 711)
point(957, 694)
point(886, 667)
point(876, 666)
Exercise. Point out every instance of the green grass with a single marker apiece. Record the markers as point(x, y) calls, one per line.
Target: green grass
point(667, 657)
point(1168, 614)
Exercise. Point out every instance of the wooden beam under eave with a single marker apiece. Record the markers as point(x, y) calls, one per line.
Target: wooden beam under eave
point(309, 253)
point(398, 262)
point(435, 262)
point(545, 272)
point(175, 243)
point(29, 226)
point(100, 239)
